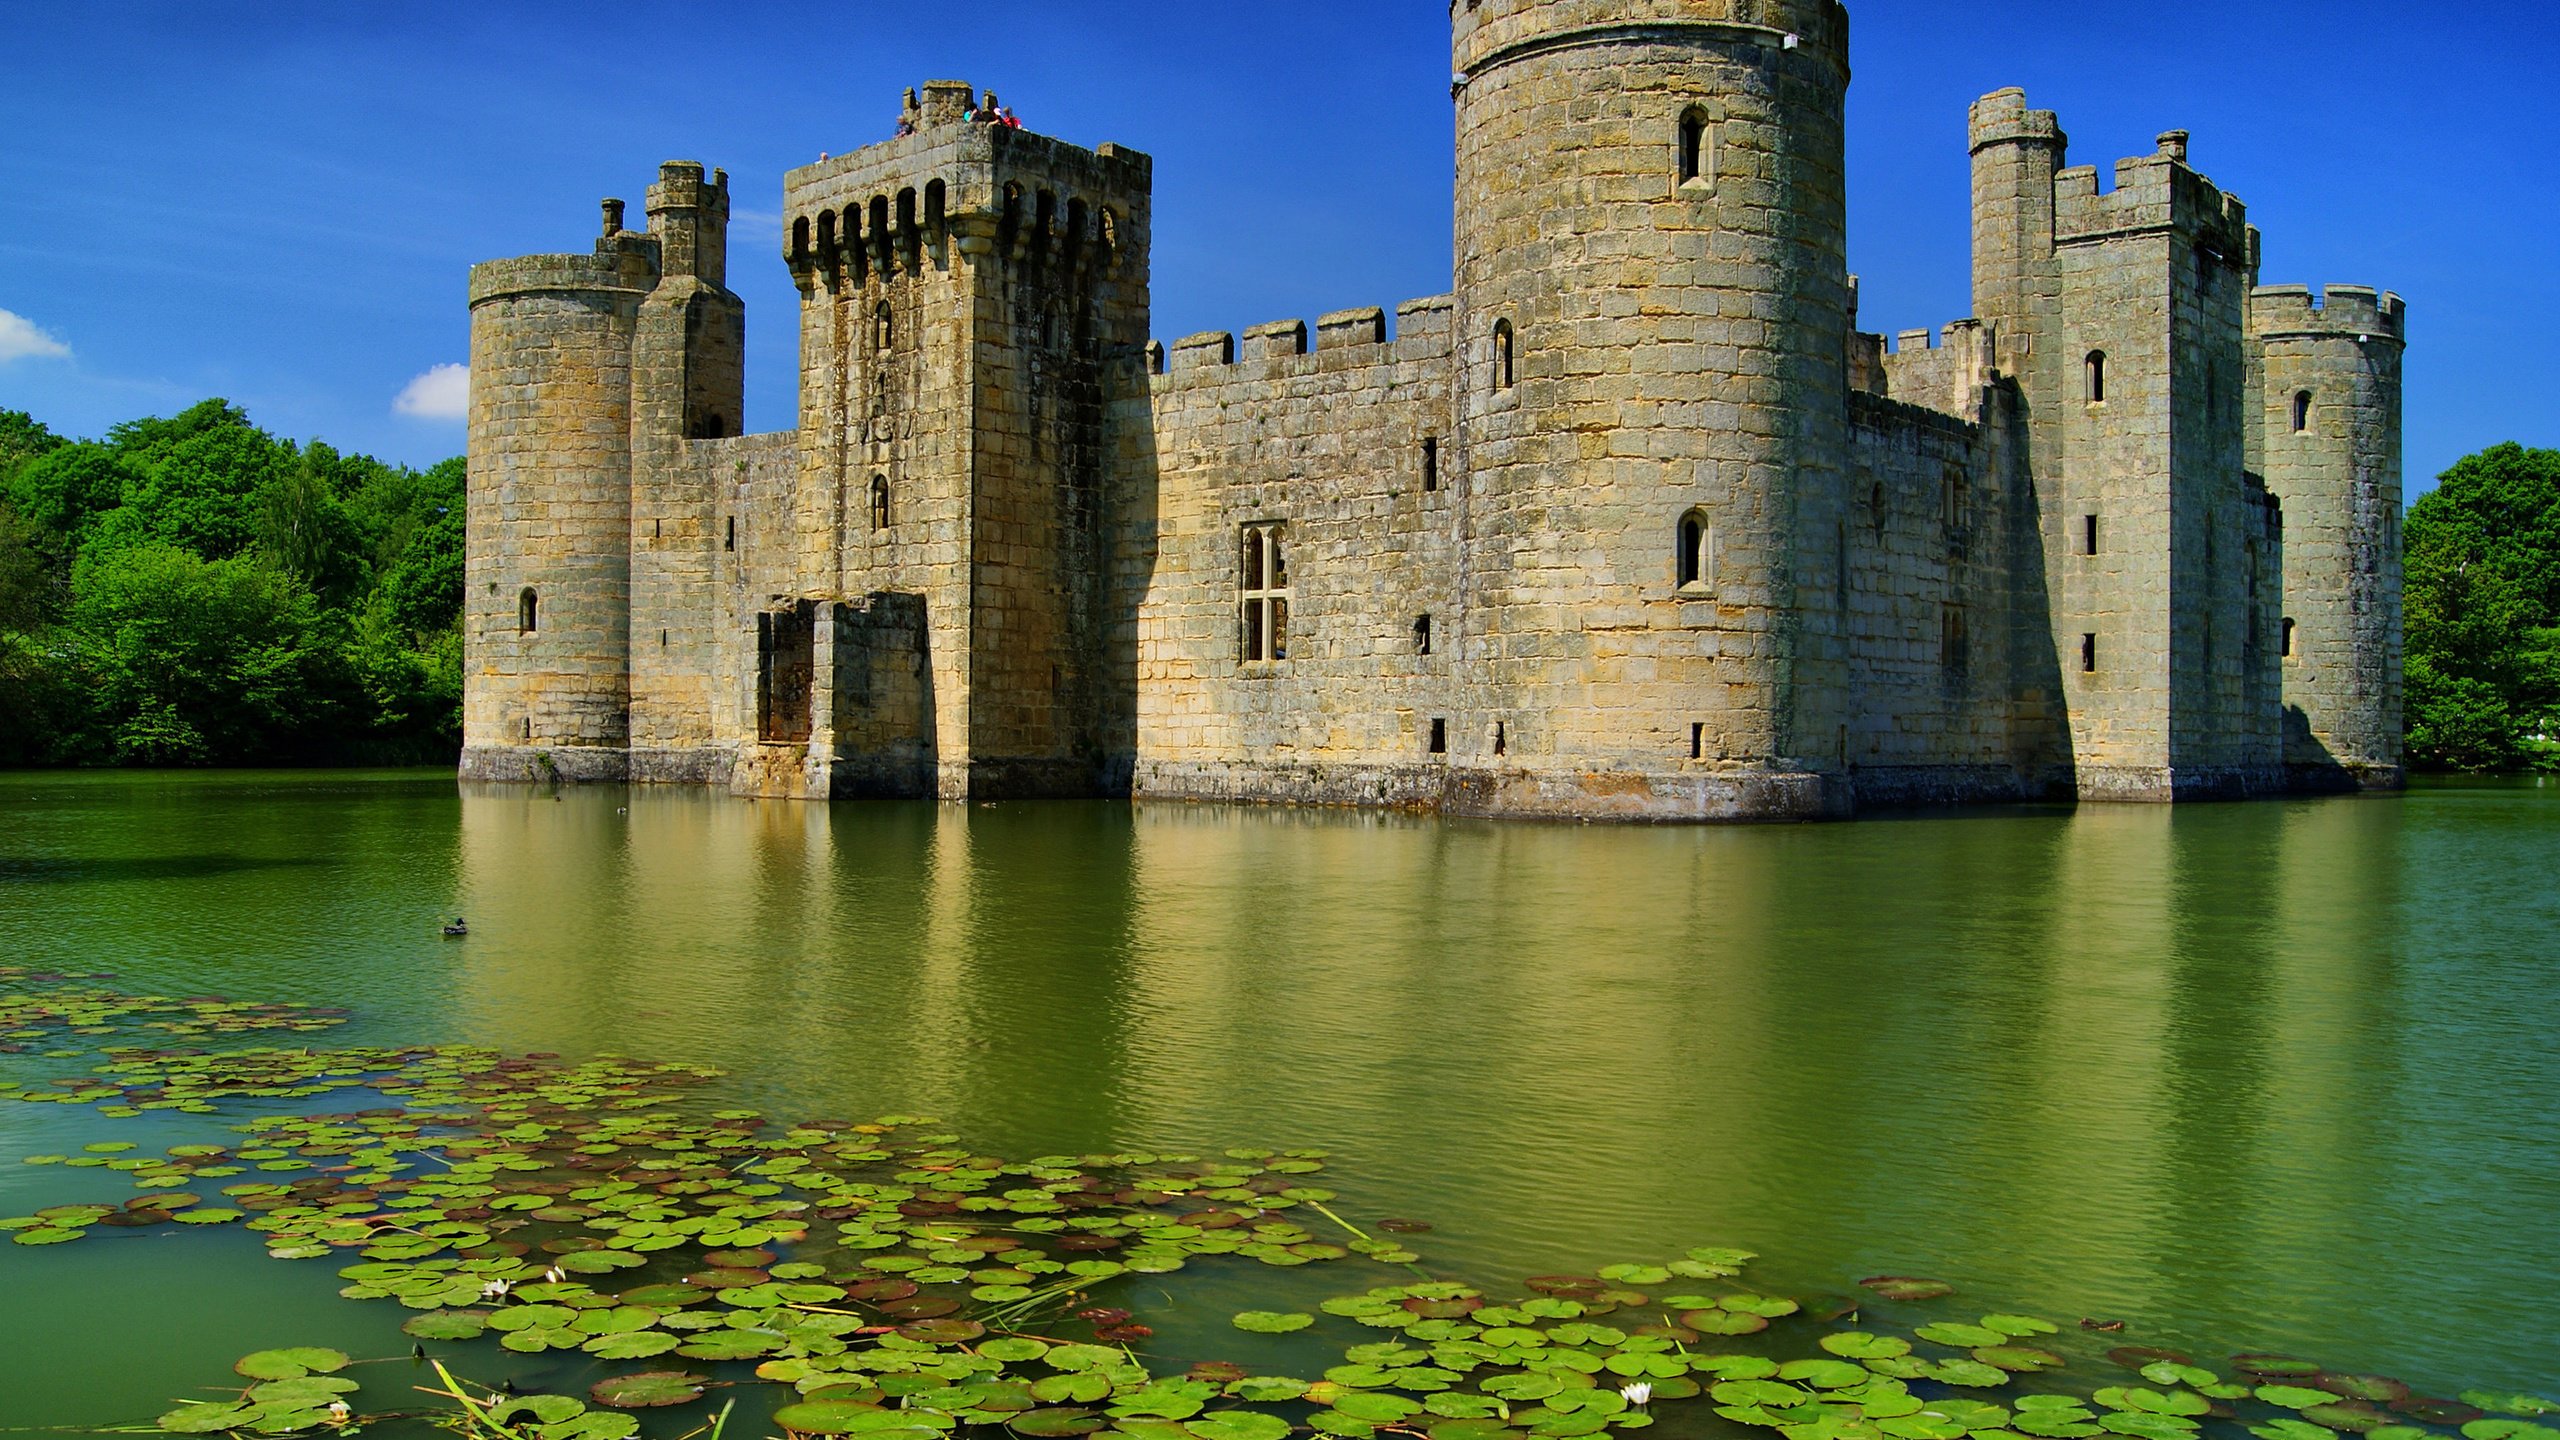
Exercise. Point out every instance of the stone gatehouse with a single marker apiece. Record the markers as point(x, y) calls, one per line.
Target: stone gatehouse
point(1634, 523)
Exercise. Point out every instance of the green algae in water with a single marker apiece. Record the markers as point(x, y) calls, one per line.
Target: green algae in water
point(888, 1280)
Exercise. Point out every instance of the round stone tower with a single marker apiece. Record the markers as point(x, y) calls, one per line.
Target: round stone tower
point(546, 614)
point(1652, 297)
point(2331, 428)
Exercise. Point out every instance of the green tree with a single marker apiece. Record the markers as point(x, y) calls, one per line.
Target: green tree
point(2482, 598)
point(196, 480)
point(65, 491)
point(23, 438)
point(196, 661)
point(26, 588)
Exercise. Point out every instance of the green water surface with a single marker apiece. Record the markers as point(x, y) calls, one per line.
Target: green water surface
point(2274, 1076)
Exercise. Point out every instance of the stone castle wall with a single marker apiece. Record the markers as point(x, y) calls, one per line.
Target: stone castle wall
point(1634, 524)
point(1339, 450)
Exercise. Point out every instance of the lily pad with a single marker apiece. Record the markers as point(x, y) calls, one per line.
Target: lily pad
point(448, 1325)
point(215, 1418)
point(2499, 1402)
point(1962, 1337)
point(1238, 1425)
point(291, 1364)
point(823, 1416)
point(1858, 1345)
point(648, 1390)
point(1724, 1322)
point(1266, 1322)
point(1482, 1429)
point(1051, 1424)
point(2434, 1411)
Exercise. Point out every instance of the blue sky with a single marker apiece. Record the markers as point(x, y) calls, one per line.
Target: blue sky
point(277, 202)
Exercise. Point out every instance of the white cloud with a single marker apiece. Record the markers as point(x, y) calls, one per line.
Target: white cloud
point(443, 393)
point(21, 340)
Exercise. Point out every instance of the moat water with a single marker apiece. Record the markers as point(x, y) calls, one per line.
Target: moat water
point(2276, 1076)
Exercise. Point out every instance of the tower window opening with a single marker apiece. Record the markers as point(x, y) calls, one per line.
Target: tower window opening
point(2097, 377)
point(884, 327)
point(1955, 649)
point(2288, 637)
point(1439, 737)
point(2302, 412)
point(1430, 463)
point(1263, 592)
point(1697, 742)
point(1695, 559)
point(1955, 502)
point(1422, 635)
point(2088, 654)
point(2088, 534)
point(879, 503)
point(528, 612)
point(731, 543)
point(1501, 739)
point(1505, 370)
point(800, 241)
point(1695, 145)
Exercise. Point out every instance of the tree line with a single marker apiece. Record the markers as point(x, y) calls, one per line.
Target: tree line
point(197, 591)
point(2483, 604)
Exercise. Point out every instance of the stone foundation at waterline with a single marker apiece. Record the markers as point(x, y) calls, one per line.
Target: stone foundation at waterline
point(1636, 523)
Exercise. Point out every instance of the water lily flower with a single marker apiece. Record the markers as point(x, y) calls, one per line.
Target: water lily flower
point(495, 1290)
point(1639, 1394)
point(340, 1412)
point(554, 1275)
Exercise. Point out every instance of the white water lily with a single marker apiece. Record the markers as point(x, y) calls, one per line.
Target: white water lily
point(495, 1290)
point(340, 1412)
point(1639, 1394)
point(554, 1275)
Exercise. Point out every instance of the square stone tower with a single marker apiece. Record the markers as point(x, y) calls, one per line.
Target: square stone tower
point(2123, 314)
point(939, 585)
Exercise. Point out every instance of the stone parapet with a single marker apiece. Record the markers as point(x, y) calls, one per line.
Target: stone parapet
point(1489, 33)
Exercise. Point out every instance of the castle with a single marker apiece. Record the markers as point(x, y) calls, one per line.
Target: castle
point(1634, 524)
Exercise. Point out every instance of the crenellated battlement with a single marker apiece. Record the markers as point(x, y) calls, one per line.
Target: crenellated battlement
point(2153, 193)
point(686, 184)
point(1018, 196)
point(2283, 312)
point(1943, 371)
point(1488, 34)
point(2003, 118)
point(1340, 337)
